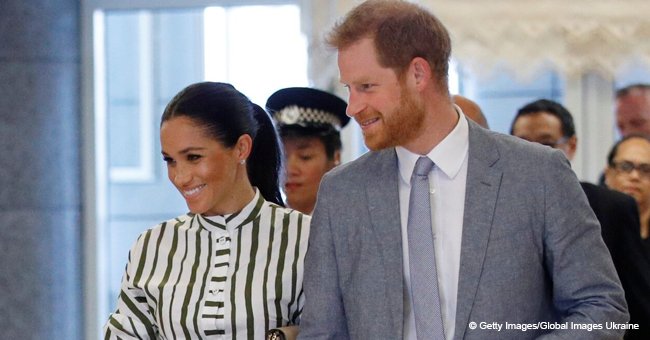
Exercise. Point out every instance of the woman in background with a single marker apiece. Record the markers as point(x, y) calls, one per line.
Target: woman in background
point(628, 171)
point(232, 267)
point(309, 122)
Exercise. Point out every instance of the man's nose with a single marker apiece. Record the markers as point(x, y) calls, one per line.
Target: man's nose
point(355, 104)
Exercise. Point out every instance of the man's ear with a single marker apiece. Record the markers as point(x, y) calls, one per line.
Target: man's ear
point(420, 71)
point(572, 145)
point(337, 157)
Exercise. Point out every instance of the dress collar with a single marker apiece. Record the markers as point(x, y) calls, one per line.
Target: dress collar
point(234, 220)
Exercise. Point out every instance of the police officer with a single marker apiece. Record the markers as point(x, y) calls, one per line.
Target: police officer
point(309, 122)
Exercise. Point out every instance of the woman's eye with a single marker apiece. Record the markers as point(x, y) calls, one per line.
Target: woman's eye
point(168, 160)
point(193, 157)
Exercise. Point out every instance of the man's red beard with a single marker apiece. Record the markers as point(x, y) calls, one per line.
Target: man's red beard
point(399, 127)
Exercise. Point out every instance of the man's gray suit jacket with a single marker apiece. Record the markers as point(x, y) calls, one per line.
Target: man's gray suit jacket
point(531, 249)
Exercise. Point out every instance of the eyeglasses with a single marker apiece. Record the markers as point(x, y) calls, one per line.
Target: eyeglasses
point(555, 144)
point(627, 167)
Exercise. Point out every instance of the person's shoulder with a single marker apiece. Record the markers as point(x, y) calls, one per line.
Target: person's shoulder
point(360, 166)
point(604, 191)
point(591, 189)
point(172, 222)
point(293, 214)
point(154, 232)
point(353, 176)
point(603, 194)
point(510, 148)
point(516, 144)
point(178, 220)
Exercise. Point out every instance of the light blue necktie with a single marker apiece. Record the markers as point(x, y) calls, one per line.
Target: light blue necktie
point(422, 257)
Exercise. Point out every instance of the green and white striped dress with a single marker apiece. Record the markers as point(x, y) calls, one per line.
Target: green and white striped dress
point(216, 277)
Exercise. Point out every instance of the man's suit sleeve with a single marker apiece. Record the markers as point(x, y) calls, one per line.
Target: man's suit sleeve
point(586, 288)
point(323, 315)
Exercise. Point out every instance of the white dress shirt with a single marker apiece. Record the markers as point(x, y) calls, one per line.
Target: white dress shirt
point(447, 182)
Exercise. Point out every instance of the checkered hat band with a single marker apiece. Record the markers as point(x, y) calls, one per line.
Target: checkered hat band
point(306, 116)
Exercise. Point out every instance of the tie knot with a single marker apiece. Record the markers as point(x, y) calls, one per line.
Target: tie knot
point(423, 166)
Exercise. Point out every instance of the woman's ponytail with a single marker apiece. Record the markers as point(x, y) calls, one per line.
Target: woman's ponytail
point(265, 161)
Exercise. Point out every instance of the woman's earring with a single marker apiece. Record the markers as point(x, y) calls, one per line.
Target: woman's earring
point(242, 161)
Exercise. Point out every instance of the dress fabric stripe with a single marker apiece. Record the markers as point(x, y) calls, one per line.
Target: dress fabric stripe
point(294, 266)
point(164, 283)
point(190, 290)
point(248, 290)
point(154, 265)
point(269, 253)
point(199, 301)
point(138, 273)
point(233, 304)
point(284, 240)
point(195, 274)
point(147, 285)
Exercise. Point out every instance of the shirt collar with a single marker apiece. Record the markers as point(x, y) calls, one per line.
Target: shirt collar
point(234, 220)
point(448, 155)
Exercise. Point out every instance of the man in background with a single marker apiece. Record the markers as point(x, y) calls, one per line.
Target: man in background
point(471, 110)
point(633, 109)
point(549, 123)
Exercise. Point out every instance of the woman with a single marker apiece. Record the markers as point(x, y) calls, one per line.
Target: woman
point(232, 267)
point(628, 170)
point(309, 122)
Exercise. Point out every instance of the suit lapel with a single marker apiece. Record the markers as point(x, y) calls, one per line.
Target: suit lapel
point(483, 182)
point(382, 191)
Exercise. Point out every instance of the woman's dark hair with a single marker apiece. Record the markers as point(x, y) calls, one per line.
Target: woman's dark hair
point(227, 114)
point(330, 138)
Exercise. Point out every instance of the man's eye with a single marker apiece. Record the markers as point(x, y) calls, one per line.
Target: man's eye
point(644, 168)
point(306, 157)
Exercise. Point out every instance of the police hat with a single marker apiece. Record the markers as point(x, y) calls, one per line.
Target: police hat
point(307, 107)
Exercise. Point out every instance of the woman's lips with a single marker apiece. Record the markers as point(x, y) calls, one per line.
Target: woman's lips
point(193, 192)
point(291, 186)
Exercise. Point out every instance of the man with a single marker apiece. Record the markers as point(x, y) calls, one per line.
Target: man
point(471, 110)
point(549, 123)
point(632, 112)
point(633, 109)
point(514, 240)
point(309, 122)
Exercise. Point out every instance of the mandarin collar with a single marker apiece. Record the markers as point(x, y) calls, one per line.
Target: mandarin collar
point(234, 220)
